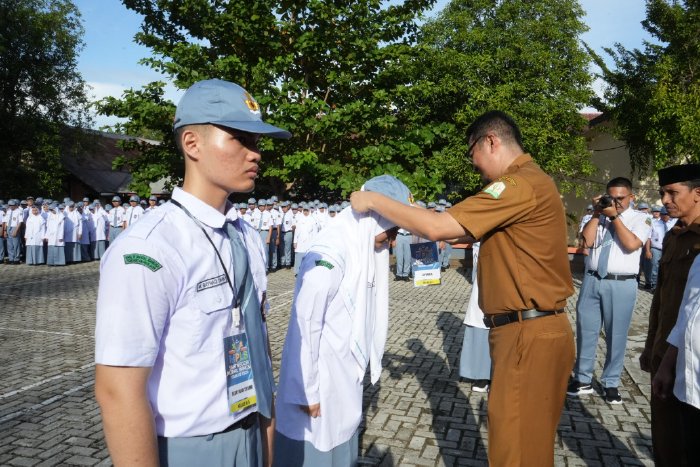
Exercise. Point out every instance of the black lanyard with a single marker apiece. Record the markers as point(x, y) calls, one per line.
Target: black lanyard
point(218, 255)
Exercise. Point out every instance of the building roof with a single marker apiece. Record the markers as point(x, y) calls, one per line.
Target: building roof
point(93, 166)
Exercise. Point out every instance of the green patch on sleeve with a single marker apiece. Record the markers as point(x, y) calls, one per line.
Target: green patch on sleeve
point(143, 260)
point(495, 189)
point(324, 263)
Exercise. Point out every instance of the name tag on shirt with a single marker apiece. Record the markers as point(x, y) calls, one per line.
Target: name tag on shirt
point(239, 374)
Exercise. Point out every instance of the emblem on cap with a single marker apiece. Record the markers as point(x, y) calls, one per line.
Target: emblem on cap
point(251, 103)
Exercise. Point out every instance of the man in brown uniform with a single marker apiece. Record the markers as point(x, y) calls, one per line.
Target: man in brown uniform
point(680, 194)
point(524, 281)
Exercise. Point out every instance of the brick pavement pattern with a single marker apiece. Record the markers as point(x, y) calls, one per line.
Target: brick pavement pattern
point(420, 413)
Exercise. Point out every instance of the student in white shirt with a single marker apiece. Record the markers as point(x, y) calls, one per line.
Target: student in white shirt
point(165, 378)
point(73, 231)
point(337, 329)
point(55, 252)
point(134, 212)
point(679, 372)
point(34, 233)
point(615, 235)
point(101, 219)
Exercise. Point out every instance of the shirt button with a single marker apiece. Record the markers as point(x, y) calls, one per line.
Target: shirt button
point(218, 299)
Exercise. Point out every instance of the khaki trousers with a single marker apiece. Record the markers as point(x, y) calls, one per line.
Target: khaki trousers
point(532, 362)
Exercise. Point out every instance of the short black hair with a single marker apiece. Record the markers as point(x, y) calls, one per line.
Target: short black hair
point(620, 182)
point(498, 122)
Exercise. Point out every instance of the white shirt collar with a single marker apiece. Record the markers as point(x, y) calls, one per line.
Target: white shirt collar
point(202, 211)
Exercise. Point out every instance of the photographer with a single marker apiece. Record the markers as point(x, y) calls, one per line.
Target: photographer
point(615, 235)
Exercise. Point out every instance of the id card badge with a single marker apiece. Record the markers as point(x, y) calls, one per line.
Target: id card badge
point(239, 374)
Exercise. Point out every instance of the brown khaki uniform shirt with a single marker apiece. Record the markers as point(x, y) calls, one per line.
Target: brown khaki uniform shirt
point(523, 259)
point(681, 246)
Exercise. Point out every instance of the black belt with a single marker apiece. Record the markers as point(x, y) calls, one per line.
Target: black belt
point(264, 230)
point(244, 423)
point(655, 248)
point(612, 277)
point(493, 321)
point(116, 226)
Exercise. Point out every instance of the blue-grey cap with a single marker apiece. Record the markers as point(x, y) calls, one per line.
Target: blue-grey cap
point(86, 199)
point(643, 206)
point(664, 210)
point(284, 203)
point(251, 200)
point(61, 206)
point(390, 186)
point(97, 202)
point(442, 201)
point(12, 202)
point(153, 198)
point(656, 208)
point(70, 204)
point(431, 204)
point(439, 208)
point(421, 204)
point(66, 199)
point(108, 207)
point(262, 202)
point(223, 103)
point(134, 198)
point(161, 201)
point(322, 206)
point(273, 198)
point(344, 204)
point(295, 206)
point(589, 207)
point(116, 198)
point(448, 205)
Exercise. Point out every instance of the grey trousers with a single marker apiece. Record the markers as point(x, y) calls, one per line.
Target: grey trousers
point(239, 448)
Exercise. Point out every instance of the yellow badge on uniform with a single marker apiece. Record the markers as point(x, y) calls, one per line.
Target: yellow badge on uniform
point(495, 189)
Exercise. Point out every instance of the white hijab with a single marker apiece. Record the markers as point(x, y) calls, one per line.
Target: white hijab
point(350, 242)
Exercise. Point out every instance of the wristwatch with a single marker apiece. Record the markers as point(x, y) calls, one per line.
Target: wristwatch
point(612, 218)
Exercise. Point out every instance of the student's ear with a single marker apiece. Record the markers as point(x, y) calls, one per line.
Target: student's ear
point(191, 141)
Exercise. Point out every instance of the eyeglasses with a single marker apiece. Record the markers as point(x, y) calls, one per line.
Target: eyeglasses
point(471, 146)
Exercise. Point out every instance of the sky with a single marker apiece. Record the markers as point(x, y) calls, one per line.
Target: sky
point(109, 59)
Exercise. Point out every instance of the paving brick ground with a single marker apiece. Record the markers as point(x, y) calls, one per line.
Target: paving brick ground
point(419, 413)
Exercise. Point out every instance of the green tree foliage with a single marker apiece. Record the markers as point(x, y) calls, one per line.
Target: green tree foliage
point(41, 93)
point(519, 56)
point(364, 90)
point(316, 67)
point(654, 95)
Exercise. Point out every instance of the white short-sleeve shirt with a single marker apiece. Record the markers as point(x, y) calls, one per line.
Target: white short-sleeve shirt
point(621, 261)
point(685, 336)
point(164, 303)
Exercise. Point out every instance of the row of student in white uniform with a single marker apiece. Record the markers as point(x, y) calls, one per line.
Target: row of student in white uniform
point(56, 234)
point(287, 227)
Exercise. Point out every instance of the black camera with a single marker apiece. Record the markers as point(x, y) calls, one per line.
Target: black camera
point(605, 201)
